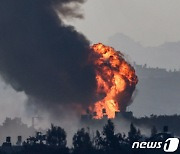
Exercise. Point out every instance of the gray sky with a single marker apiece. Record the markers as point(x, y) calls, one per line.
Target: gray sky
point(150, 22)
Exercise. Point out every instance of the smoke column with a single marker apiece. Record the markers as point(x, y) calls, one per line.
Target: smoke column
point(43, 57)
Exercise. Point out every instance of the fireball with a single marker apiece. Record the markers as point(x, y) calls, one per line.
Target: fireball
point(115, 78)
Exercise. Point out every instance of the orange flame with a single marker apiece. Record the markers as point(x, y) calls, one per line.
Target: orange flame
point(114, 77)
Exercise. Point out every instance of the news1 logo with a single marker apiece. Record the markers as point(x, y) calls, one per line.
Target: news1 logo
point(170, 145)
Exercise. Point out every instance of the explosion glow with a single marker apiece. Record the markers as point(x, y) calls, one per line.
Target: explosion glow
point(116, 81)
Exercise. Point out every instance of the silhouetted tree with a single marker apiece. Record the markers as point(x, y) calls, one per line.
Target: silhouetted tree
point(133, 134)
point(82, 142)
point(98, 141)
point(56, 136)
point(109, 142)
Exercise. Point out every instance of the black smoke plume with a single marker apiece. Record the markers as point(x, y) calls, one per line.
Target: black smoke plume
point(42, 56)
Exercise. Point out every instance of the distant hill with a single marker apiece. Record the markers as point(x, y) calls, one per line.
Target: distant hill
point(166, 55)
point(158, 92)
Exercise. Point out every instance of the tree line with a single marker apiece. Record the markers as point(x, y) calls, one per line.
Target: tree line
point(106, 141)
